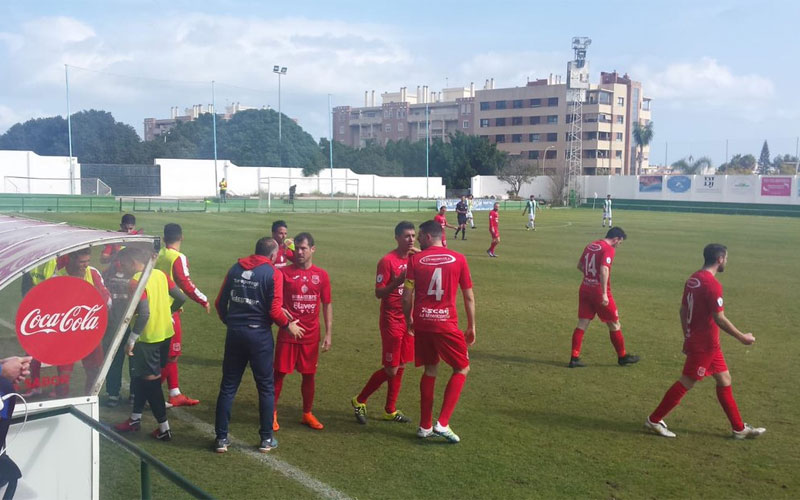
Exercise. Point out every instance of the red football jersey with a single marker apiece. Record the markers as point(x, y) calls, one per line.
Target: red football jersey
point(493, 222)
point(303, 292)
point(442, 220)
point(284, 258)
point(437, 272)
point(596, 254)
point(702, 297)
point(389, 267)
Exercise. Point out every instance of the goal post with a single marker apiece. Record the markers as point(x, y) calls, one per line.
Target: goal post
point(14, 184)
point(316, 191)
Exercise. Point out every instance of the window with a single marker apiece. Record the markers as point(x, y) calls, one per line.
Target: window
point(552, 101)
point(485, 137)
point(535, 103)
point(604, 136)
point(484, 106)
point(535, 120)
point(484, 122)
point(604, 98)
point(516, 138)
point(533, 137)
point(646, 105)
point(517, 120)
point(387, 113)
point(533, 155)
point(387, 127)
point(500, 105)
point(619, 136)
point(499, 122)
point(552, 119)
point(551, 154)
point(620, 119)
point(553, 137)
point(620, 101)
point(618, 154)
point(465, 124)
point(500, 138)
point(341, 129)
point(517, 103)
point(400, 127)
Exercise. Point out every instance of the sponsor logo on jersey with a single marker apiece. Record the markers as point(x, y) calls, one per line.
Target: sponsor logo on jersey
point(594, 247)
point(719, 301)
point(437, 260)
point(693, 283)
point(247, 275)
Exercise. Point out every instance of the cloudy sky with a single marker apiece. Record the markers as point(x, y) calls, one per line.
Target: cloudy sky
point(716, 69)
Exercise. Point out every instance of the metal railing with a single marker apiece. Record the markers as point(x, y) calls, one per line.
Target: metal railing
point(146, 460)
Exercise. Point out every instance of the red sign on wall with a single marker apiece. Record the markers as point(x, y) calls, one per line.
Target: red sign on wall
point(776, 186)
point(61, 320)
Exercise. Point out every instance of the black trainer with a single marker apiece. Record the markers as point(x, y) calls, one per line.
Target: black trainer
point(162, 436)
point(221, 445)
point(268, 444)
point(628, 359)
point(576, 363)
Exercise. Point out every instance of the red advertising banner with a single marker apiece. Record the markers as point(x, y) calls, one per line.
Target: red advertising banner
point(776, 186)
point(61, 320)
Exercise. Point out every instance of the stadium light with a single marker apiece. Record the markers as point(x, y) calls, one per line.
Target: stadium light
point(280, 70)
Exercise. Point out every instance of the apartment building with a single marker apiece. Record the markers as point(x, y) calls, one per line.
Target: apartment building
point(532, 121)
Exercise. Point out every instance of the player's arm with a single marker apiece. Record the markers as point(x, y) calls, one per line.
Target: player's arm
point(581, 264)
point(408, 303)
point(178, 298)
point(142, 317)
point(105, 256)
point(276, 311)
point(180, 271)
point(728, 326)
point(221, 304)
point(605, 272)
point(327, 316)
point(383, 288)
point(469, 307)
point(684, 312)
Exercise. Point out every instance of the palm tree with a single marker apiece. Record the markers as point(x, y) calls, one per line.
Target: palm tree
point(690, 167)
point(642, 135)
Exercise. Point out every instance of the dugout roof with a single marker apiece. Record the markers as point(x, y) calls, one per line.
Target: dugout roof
point(26, 243)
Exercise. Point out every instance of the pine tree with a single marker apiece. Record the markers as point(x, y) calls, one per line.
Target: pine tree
point(763, 160)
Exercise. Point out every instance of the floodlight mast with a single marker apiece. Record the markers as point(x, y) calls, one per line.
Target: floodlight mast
point(577, 85)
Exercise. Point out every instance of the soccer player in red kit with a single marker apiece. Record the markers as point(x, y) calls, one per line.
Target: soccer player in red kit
point(702, 315)
point(126, 225)
point(595, 298)
point(398, 344)
point(285, 245)
point(494, 228)
point(441, 219)
point(305, 287)
point(429, 304)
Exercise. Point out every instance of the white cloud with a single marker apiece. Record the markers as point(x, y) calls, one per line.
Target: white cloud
point(512, 69)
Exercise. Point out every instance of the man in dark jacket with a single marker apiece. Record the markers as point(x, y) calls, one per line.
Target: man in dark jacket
point(249, 302)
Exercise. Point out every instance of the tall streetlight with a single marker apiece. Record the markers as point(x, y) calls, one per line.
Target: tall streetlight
point(280, 70)
point(544, 157)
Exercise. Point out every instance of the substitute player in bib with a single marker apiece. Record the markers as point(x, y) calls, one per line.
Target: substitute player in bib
point(530, 208)
point(441, 219)
point(398, 344)
point(607, 210)
point(461, 213)
point(702, 315)
point(494, 229)
point(174, 264)
point(429, 304)
point(595, 298)
point(285, 245)
point(305, 287)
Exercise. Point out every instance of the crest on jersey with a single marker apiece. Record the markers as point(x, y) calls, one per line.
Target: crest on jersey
point(247, 275)
point(379, 279)
point(304, 289)
point(693, 283)
point(437, 260)
point(595, 247)
point(315, 279)
point(608, 260)
point(719, 301)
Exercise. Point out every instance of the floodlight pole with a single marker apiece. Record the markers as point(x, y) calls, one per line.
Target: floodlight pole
point(427, 147)
point(280, 70)
point(214, 128)
point(330, 142)
point(69, 135)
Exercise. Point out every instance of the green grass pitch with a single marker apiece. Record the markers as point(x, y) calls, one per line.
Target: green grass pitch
point(530, 427)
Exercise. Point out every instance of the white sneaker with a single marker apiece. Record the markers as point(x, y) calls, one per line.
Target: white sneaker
point(424, 433)
point(749, 432)
point(445, 432)
point(659, 428)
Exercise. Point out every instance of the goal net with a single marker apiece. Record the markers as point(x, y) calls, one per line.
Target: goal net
point(308, 194)
point(90, 186)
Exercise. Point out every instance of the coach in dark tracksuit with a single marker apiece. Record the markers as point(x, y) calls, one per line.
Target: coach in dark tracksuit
point(249, 301)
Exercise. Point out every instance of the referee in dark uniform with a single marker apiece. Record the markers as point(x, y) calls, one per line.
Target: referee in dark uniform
point(249, 302)
point(461, 211)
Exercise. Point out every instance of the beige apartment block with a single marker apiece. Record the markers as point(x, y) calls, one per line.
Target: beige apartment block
point(531, 121)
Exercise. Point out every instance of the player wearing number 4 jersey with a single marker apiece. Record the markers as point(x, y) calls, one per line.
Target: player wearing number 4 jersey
point(701, 318)
point(595, 298)
point(429, 305)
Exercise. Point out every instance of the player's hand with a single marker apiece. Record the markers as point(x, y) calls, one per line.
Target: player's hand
point(411, 330)
point(129, 349)
point(469, 335)
point(295, 329)
point(414, 250)
point(605, 299)
point(747, 339)
point(326, 343)
point(16, 368)
point(207, 307)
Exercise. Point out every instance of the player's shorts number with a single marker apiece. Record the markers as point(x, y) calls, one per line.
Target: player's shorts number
point(435, 287)
point(589, 264)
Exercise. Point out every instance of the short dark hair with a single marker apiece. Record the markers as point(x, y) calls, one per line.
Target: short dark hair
point(278, 224)
point(616, 232)
point(403, 226)
point(266, 246)
point(80, 253)
point(432, 228)
point(128, 219)
point(712, 252)
point(172, 233)
point(304, 237)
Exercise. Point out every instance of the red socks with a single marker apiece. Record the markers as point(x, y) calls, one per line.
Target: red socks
point(725, 396)
point(670, 401)
point(426, 386)
point(618, 341)
point(491, 248)
point(170, 374)
point(577, 340)
point(393, 390)
point(451, 394)
point(307, 389)
point(278, 385)
point(374, 382)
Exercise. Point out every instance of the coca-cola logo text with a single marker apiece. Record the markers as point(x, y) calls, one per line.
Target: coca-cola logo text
point(61, 320)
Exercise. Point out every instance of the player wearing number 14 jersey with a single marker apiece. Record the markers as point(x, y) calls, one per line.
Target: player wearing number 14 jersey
point(595, 298)
point(429, 305)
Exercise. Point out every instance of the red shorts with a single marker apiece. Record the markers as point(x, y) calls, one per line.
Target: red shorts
point(175, 347)
point(704, 364)
point(398, 345)
point(591, 304)
point(451, 348)
point(494, 234)
point(290, 356)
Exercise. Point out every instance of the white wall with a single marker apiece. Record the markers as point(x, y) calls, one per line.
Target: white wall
point(484, 186)
point(45, 168)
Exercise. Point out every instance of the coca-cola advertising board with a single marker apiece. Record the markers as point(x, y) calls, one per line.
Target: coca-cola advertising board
point(61, 320)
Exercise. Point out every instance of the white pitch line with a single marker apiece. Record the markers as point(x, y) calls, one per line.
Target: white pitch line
point(288, 470)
